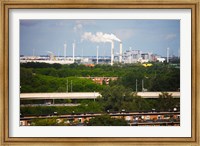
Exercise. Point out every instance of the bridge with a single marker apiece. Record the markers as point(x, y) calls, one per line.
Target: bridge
point(69, 95)
point(156, 94)
point(84, 95)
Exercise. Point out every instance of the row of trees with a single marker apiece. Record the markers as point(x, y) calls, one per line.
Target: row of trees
point(162, 79)
point(119, 98)
point(159, 77)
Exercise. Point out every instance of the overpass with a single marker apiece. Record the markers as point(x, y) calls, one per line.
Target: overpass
point(84, 95)
point(156, 94)
point(63, 95)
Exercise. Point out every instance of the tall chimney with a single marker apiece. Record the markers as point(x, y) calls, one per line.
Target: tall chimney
point(167, 55)
point(112, 53)
point(120, 52)
point(73, 45)
point(97, 54)
point(65, 50)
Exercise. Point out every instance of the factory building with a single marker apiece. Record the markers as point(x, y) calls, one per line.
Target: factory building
point(132, 56)
point(128, 56)
point(135, 56)
point(146, 57)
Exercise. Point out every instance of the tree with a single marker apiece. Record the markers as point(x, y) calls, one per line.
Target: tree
point(166, 102)
point(106, 120)
point(117, 97)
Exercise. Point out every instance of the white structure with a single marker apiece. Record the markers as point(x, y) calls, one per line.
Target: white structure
point(132, 56)
point(167, 55)
point(85, 95)
point(63, 95)
point(51, 55)
point(65, 50)
point(120, 52)
point(48, 61)
point(146, 57)
point(85, 60)
point(73, 46)
point(97, 54)
point(161, 59)
point(112, 53)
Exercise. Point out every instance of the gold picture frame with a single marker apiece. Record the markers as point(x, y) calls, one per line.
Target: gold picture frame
point(127, 4)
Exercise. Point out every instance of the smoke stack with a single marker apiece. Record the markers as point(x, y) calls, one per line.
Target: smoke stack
point(112, 52)
point(73, 46)
point(97, 54)
point(120, 52)
point(167, 55)
point(65, 50)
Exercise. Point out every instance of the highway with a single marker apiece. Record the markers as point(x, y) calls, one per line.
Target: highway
point(98, 114)
point(156, 94)
point(84, 95)
point(69, 95)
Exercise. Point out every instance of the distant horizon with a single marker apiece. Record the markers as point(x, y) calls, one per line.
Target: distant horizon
point(88, 56)
point(39, 37)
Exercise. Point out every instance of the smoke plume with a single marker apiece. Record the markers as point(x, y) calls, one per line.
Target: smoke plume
point(100, 37)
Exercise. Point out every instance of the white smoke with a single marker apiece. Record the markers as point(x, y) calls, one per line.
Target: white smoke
point(100, 37)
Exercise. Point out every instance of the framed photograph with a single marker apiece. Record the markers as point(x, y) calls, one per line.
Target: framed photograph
point(105, 72)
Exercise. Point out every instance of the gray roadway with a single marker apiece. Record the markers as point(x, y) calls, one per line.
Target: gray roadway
point(84, 95)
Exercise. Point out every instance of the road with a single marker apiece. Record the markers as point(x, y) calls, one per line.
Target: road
point(84, 95)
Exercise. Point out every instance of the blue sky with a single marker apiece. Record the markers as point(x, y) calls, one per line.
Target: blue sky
point(146, 35)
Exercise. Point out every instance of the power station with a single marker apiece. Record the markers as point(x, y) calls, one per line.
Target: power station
point(124, 56)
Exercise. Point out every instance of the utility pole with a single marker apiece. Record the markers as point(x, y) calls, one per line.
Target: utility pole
point(67, 85)
point(136, 86)
point(94, 95)
point(65, 51)
point(71, 85)
point(142, 85)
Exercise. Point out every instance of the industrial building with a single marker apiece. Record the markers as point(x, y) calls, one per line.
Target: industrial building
point(132, 56)
point(135, 56)
point(127, 56)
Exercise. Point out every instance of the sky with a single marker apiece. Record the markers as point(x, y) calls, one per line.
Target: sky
point(38, 37)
